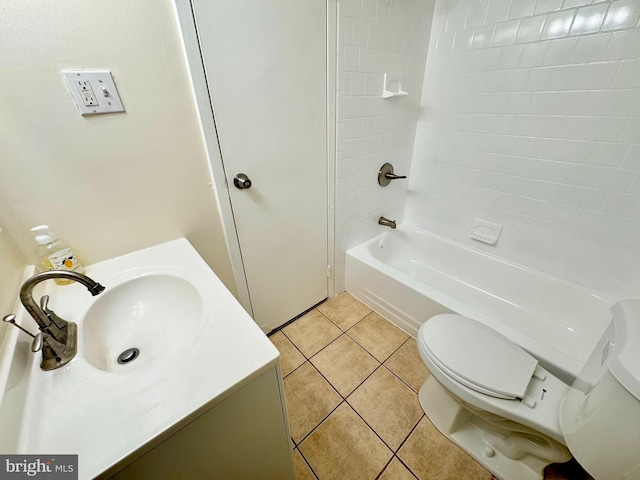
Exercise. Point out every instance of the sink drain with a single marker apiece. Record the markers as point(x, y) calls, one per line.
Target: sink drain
point(129, 355)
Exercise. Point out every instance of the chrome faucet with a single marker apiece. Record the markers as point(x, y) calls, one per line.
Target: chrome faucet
point(57, 338)
point(387, 223)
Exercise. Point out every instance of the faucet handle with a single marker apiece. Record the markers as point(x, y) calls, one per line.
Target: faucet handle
point(44, 303)
point(50, 346)
point(50, 314)
point(11, 318)
point(38, 342)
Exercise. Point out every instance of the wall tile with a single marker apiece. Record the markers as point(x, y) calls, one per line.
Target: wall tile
point(560, 52)
point(629, 102)
point(624, 45)
point(377, 37)
point(622, 14)
point(533, 54)
point(528, 114)
point(576, 3)
point(616, 180)
point(631, 132)
point(607, 129)
point(547, 6)
point(598, 76)
point(352, 8)
point(505, 33)
point(589, 19)
point(351, 59)
point(369, 11)
point(558, 24)
point(620, 204)
point(627, 74)
point(530, 29)
point(537, 126)
point(463, 40)
point(498, 11)
point(632, 158)
point(360, 33)
point(476, 14)
point(483, 36)
point(591, 48)
point(600, 102)
point(521, 8)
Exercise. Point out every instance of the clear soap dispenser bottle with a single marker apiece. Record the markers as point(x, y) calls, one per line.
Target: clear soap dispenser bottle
point(54, 254)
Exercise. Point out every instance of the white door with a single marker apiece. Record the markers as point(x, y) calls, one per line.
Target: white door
point(265, 63)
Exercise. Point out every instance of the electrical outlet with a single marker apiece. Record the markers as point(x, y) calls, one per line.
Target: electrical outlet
point(83, 85)
point(86, 93)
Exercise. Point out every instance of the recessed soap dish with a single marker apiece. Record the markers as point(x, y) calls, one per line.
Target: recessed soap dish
point(485, 232)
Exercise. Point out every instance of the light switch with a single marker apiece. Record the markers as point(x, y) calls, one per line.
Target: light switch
point(94, 91)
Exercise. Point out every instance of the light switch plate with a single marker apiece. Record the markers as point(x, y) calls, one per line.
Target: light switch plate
point(94, 91)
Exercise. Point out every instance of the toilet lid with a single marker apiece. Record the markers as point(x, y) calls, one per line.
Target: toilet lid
point(477, 356)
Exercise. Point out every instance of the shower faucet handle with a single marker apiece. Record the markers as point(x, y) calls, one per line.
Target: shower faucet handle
point(385, 175)
point(393, 176)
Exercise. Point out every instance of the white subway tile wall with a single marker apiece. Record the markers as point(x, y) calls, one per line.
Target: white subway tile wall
point(530, 118)
point(377, 37)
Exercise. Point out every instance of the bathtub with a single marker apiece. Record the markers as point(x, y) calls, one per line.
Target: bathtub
point(408, 275)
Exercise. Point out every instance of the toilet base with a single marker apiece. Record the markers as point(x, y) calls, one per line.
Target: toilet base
point(510, 451)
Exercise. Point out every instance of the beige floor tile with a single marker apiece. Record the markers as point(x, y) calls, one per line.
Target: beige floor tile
point(309, 399)
point(303, 472)
point(396, 471)
point(407, 364)
point(344, 310)
point(311, 333)
point(378, 336)
point(290, 356)
point(345, 364)
point(388, 406)
point(344, 447)
point(430, 455)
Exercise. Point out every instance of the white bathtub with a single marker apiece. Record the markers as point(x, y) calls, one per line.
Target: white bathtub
point(408, 275)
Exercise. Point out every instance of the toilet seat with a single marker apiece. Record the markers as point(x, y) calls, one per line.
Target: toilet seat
point(477, 356)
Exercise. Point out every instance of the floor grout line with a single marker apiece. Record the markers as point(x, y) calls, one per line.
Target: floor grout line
point(344, 399)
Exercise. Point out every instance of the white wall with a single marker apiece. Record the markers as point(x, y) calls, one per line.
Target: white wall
point(10, 277)
point(531, 119)
point(375, 37)
point(107, 184)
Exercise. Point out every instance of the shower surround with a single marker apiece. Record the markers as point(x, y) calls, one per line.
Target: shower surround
point(528, 116)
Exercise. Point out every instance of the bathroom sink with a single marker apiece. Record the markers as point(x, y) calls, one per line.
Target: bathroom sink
point(196, 346)
point(150, 318)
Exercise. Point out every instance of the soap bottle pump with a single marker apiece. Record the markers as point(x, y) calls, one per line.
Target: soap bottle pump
point(54, 254)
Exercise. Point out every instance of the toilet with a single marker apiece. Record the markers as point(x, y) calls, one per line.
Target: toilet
point(495, 401)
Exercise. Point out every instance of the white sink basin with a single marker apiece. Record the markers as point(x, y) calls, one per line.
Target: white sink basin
point(148, 319)
point(197, 346)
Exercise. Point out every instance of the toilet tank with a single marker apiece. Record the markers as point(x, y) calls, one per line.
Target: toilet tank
point(600, 416)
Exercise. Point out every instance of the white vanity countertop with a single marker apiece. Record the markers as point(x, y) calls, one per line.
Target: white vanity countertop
point(106, 416)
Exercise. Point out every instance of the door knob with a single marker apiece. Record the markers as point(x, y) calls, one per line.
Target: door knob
point(241, 181)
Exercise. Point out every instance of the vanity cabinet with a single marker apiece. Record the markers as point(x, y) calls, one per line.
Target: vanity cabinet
point(244, 436)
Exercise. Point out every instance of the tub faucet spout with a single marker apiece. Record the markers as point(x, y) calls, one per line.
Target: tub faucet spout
point(387, 223)
point(57, 337)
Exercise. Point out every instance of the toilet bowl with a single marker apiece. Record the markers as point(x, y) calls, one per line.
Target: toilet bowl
point(497, 403)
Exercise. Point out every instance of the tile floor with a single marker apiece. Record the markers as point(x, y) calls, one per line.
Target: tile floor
point(351, 380)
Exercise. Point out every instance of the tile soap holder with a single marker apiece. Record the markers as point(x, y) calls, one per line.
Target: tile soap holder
point(392, 86)
point(485, 232)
